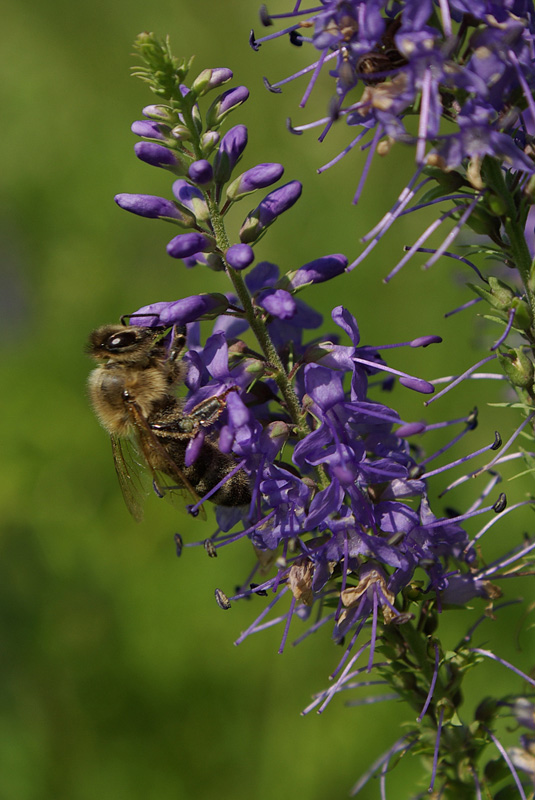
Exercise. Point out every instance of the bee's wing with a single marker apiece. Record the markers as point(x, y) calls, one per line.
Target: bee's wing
point(169, 480)
point(129, 469)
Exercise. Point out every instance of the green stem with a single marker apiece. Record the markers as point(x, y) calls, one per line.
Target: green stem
point(259, 329)
point(257, 324)
point(515, 231)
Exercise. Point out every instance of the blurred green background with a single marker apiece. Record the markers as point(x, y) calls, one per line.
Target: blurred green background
point(119, 676)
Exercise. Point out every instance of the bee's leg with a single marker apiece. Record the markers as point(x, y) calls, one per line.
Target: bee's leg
point(178, 344)
point(177, 368)
point(187, 426)
point(205, 414)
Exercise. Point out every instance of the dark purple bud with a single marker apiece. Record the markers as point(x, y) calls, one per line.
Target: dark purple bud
point(210, 79)
point(189, 309)
point(186, 244)
point(425, 341)
point(224, 104)
point(255, 178)
point(200, 172)
point(148, 205)
point(278, 303)
point(232, 146)
point(150, 129)
point(240, 256)
point(273, 205)
point(191, 198)
point(156, 155)
point(317, 271)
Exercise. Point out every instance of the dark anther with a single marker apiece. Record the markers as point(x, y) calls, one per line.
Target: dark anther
point(265, 19)
point(270, 88)
point(210, 549)
point(472, 420)
point(497, 441)
point(500, 504)
point(222, 600)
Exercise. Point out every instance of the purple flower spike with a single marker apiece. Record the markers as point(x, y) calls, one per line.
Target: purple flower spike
point(240, 256)
point(156, 155)
point(186, 244)
point(232, 146)
point(150, 129)
point(210, 79)
point(224, 104)
point(201, 172)
point(189, 309)
point(273, 205)
point(255, 178)
point(317, 271)
point(148, 205)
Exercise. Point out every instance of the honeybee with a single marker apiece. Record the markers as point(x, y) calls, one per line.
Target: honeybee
point(379, 63)
point(133, 393)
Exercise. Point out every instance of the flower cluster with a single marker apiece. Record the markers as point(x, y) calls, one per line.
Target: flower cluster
point(453, 80)
point(339, 512)
point(469, 64)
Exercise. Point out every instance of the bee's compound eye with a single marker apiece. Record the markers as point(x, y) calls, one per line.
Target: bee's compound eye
point(121, 340)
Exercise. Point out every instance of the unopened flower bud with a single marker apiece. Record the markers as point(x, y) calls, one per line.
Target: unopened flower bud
point(224, 104)
point(317, 271)
point(501, 293)
point(209, 141)
point(273, 205)
point(200, 172)
point(518, 367)
point(186, 244)
point(210, 79)
point(157, 112)
point(148, 205)
point(181, 133)
point(240, 256)
point(150, 129)
point(189, 309)
point(191, 199)
point(255, 178)
point(156, 155)
point(232, 146)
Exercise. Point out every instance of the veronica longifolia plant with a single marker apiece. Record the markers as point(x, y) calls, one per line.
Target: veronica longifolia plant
point(343, 531)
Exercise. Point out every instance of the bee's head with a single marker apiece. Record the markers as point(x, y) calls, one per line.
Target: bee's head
point(120, 343)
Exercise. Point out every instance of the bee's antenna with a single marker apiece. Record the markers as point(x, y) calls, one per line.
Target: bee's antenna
point(143, 314)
